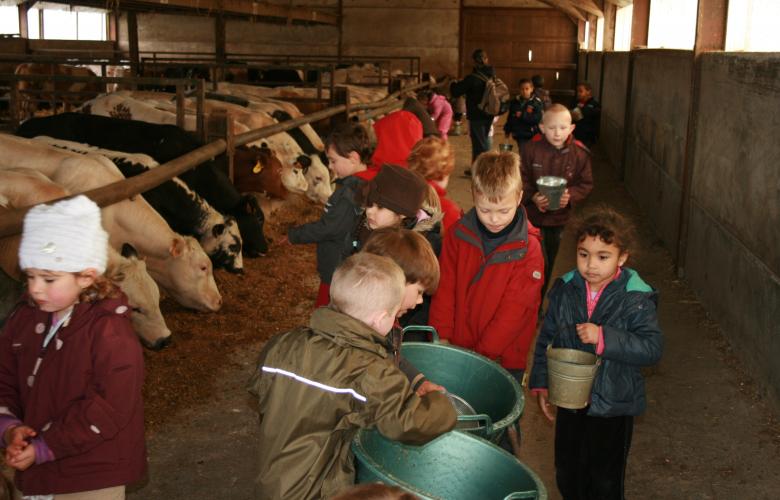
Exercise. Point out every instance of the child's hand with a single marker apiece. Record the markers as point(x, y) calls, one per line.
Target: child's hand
point(427, 387)
point(588, 333)
point(21, 460)
point(547, 408)
point(541, 201)
point(565, 198)
point(18, 438)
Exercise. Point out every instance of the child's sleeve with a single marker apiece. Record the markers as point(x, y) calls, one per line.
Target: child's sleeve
point(538, 379)
point(442, 313)
point(113, 397)
point(401, 415)
point(338, 220)
point(642, 343)
point(582, 184)
point(10, 409)
point(517, 312)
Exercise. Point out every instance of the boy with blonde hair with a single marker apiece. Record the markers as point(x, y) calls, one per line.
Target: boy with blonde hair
point(554, 152)
point(318, 385)
point(491, 269)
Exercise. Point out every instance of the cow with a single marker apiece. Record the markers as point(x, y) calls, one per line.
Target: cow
point(117, 105)
point(26, 187)
point(185, 211)
point(177, 263)
point(70, 93)
point(267, 174)
point(163, 143)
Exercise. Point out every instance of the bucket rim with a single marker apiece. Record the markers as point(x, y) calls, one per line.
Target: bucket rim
point(517, 408)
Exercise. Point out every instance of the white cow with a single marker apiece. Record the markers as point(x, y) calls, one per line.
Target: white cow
point(177, 263)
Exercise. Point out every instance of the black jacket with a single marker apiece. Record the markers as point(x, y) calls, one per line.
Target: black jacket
point(473, 87)
point(587, 129)
point(334, 229)
point(626, 312)
point(524, 117)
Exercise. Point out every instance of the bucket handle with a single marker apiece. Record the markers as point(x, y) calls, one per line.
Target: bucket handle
point(481, 418)
point(518, 495)
point(425, 329)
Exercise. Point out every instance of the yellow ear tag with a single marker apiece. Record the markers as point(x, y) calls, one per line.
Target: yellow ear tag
point(258, 167)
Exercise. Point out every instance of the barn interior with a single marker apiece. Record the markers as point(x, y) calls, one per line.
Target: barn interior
point(689, 93)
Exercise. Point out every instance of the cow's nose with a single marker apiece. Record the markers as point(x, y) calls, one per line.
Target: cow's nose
point(161, 343)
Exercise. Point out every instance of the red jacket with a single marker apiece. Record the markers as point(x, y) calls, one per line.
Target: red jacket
point(85, 401)
point(396, 135)
point(571, 162)
point(452, 212)
point(489, 303)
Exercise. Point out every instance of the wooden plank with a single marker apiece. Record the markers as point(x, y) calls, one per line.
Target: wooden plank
point(248, 7)
point(640, 23)
point(588, 6)
point(621, 3)
point(610, 17)
point(565, 7)
point(132, 38)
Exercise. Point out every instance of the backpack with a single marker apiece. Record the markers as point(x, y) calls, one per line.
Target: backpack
point(495, 100)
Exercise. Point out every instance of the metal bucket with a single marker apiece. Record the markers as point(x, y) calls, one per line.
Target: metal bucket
point(570, 375)
point(553, 188)
point(505, 147)
point(490, 390)
point(454, 466)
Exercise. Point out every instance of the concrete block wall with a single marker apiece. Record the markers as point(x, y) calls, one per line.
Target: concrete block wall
point(733, 250)
point(613, 106)
point(657, 127)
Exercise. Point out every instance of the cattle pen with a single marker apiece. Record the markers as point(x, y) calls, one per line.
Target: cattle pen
point(11, 220)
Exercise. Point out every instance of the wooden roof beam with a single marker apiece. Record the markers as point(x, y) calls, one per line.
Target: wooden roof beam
point(567, 8)
point(588, 6)
point(620, 3)
point(250, 8)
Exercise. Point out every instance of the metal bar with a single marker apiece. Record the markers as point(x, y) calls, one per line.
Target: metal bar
point(11, 221)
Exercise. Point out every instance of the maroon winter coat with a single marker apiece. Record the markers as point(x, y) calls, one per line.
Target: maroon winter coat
point(571, 162)
point(86, 398)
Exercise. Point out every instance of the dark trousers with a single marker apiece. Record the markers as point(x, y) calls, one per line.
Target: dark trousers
point(480, 142)
point(591, 455)
point(551, 241)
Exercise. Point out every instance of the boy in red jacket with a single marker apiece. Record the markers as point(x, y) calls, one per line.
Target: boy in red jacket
point(491, 269)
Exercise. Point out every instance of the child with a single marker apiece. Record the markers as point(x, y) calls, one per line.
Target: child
point(348, 153)
point(318, 386)
point(393, 198)
point(396, 135)
point(525, 112)
point(491, 269)
point(434, 159)
point(606, 309)
point(440, 110)
point(540, 92)
point(587, 115)
point(71, 412)
point(554, 152)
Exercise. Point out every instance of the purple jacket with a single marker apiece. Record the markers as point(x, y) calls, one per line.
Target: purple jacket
point(85, 401)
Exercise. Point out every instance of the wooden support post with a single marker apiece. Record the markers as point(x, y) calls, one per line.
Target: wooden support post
point(640, 23)
point(200, 96)
point(219, 47)
point(341, 97)
point(23, 29)
point(610, 17)
point(711, 20)
point(592, 20)
point(220, 126)
point(132, 38)
point(394, 85)
point(180, 106)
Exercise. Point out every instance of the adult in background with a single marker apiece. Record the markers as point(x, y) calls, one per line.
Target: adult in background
point(473, 87)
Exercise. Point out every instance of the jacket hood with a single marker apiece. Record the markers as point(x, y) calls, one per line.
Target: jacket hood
point(344, 330)
point(518, 235)
point(396, 135)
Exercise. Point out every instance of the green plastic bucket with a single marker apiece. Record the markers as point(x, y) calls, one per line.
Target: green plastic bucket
point(455, 466)
point(492, 392)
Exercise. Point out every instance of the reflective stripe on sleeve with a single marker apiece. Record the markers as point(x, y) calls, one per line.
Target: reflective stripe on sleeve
point(312, 383)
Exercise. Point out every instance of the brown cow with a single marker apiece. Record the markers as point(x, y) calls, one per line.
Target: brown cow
point(39, 94)
point(259, 170)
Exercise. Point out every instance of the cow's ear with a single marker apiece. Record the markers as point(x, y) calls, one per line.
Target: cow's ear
point(177, 247)
point(117, 278)
point(129, 251)
point(218, 229)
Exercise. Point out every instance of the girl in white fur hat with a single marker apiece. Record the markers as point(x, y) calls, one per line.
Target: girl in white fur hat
point(71, 367)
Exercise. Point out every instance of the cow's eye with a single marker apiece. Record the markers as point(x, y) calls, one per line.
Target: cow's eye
point(137, 310)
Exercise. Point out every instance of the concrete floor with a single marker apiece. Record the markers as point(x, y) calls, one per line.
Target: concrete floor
point(706, 435)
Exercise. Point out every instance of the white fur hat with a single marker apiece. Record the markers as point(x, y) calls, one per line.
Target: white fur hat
point(66, 236)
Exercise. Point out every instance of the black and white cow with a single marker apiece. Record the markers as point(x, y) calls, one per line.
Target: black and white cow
point(163, 143)
point(183, 209)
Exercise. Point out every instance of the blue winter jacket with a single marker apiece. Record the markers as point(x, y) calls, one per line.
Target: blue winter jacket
point(626, 312)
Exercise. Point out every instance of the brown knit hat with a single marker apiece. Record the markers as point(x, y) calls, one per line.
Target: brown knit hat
point(398, 189)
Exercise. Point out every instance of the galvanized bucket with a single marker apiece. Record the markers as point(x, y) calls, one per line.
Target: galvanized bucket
point(570, 375)
point(454, 466)
point(505, 147)
point(552, 188)
point(493, 394)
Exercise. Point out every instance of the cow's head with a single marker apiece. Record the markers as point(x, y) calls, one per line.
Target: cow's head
point(129, 273)
point(222, 242)
point(251, 221)
point(318, 177)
